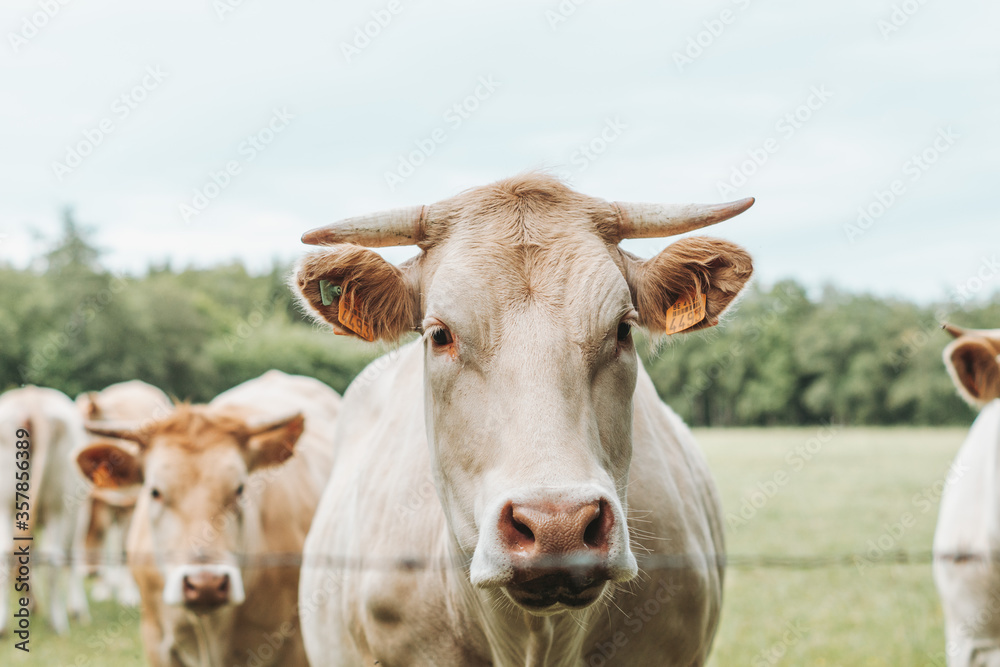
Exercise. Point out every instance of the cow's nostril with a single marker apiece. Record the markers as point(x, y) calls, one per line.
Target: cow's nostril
point(523, 529)
point(224, 584)
point(593, 531)
point(598, 531)
point(515, 529)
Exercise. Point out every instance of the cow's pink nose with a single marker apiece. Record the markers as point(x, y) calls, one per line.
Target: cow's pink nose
point(206, 590)
point(541, 530)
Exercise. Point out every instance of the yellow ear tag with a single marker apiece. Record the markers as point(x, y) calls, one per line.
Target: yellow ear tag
point(686, 312)
point(350, 314)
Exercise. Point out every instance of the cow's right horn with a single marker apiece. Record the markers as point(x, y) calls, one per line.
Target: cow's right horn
point(133, 431)
point(399, 226)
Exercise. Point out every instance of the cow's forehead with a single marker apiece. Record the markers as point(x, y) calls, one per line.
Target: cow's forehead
point(561, 293)
point(509, 248)
point(532, 209)
point(182, 466)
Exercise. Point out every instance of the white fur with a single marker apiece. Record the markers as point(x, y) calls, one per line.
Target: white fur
point(57, 431)
point(969, 523)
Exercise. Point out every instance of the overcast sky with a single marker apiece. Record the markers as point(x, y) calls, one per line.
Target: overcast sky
point(133, 115)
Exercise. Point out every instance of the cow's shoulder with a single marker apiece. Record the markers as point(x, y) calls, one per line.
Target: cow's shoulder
point(964, 524)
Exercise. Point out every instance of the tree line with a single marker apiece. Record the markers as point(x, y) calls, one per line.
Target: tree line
point(781, 357)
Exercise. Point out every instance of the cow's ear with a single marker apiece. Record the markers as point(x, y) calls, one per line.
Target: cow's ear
point(356, 292)
point(109, 466)
point(689, 285)
point(273, 443)
point(975, 368)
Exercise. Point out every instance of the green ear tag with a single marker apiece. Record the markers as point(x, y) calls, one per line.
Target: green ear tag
point(328, 292)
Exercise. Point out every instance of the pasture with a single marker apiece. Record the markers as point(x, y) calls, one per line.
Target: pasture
point(833, 492)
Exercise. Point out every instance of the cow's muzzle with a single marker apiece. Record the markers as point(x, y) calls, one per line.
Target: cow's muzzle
point(556, 552)
point(203, 588)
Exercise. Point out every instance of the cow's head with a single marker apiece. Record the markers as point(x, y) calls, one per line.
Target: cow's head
point(134, 402)
point(973, 361)
point(526, 306)
point(194, 468)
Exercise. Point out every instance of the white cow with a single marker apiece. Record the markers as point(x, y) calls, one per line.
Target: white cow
point(55, 429)
point(509, 489)
point(967, 539)
point(106, 513)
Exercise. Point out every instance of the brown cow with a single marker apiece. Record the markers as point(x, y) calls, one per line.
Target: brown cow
point(227, 488)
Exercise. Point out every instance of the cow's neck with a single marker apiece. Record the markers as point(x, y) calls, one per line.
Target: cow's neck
point(518, 639)
point(986, 433)
point(974, 477)
point(198, 641)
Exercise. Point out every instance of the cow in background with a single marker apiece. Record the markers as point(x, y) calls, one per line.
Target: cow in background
point(56, 430)
point(106, 514)
point(967, 539)
point(228, 492)
point(525, 405)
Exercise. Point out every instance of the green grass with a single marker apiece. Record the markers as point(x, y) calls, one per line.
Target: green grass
point(856, 488)
point(860, 481)
point(111, 640)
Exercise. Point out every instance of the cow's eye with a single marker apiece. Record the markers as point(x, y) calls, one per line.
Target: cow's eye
point(239, 490)
point(441, 337)
point(624, 331)
point(155, 493)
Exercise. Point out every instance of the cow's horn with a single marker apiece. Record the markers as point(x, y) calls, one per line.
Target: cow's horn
point(645, 221)
point(953, 330)
point(262, 425)
point(118, 430)
point(399, 226)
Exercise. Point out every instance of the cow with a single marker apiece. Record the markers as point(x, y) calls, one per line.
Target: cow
point(106, 512)
point(39, 429)
point(966, 570)
point(509, 488)
point(228, 492)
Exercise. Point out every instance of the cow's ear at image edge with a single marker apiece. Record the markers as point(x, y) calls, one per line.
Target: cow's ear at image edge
point(109, 466)
point(686, 274)
point(355, 292)
point(975, 368)
point(273, 443)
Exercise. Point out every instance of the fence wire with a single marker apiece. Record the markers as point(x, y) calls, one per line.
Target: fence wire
point(647, 562)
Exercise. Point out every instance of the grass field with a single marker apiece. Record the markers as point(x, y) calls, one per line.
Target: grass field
point(854, 495)
point(803, 492)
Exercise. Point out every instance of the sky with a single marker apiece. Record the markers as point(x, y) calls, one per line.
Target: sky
point(197, 132)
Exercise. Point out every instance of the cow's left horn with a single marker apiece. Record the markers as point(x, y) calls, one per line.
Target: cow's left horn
point(646, 221)
point(399, 226)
